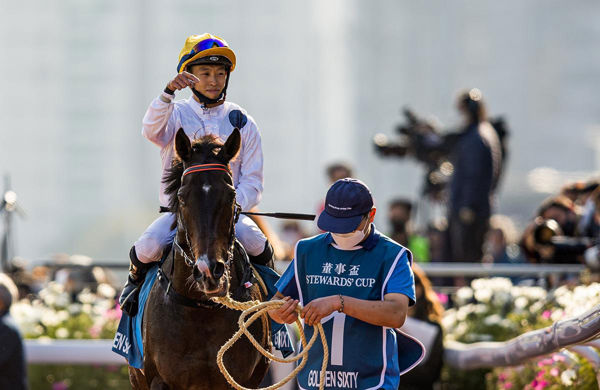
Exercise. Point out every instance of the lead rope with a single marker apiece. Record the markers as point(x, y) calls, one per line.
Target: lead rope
point(260, 309)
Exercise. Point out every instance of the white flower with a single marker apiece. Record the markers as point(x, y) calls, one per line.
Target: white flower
point(483, 295)
point(494, 319)
point(86, 308)
point(557, 315)
point(49, 318)
point(62, 333)
point(568, 376)
point(106, 291)
point(449, 319)
point(463, 295)
point(74, 308)
point(521, 302)
point(501, 298)
point(499, 284)
point(479, 308)
point(536, 307)
point(62, 300)
point(86, 296)
point(476, 284)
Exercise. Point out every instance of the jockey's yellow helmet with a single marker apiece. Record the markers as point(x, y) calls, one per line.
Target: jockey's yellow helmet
point(205, 49)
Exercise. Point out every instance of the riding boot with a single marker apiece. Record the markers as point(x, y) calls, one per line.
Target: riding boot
point(137, 273)
point(266, 257)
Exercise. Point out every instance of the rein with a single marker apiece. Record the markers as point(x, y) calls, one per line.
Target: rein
point(166, 282)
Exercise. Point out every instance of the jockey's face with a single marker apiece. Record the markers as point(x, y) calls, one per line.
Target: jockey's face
point(212, 79)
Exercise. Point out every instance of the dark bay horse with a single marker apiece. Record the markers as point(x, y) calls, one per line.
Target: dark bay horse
point(182, 328)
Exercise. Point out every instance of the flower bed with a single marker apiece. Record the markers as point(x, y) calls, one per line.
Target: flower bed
point(496, 310)
point(56, 314)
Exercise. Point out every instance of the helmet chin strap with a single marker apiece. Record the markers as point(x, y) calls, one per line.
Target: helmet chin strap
point(206, 100)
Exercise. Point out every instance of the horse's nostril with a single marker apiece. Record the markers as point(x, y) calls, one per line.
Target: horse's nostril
point(218, 270)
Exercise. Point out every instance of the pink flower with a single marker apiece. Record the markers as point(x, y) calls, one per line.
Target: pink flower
point(443, 298)
point(558, 358)
point(546, 314)
point(554, 371)
point(113, 314)
point(545, 362)
point(507, 385)
point(540, 374)
point(60, 386)
point(95, 331)
point(541, 385)
point(502, 376)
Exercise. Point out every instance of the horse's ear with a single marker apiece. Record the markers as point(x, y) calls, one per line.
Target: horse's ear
point(231, 146)
point(183, 145)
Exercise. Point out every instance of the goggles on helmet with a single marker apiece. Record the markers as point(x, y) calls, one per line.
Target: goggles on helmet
point(207, 44)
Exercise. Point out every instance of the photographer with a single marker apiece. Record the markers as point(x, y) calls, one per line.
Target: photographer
point(477, 159)
point(552, 237)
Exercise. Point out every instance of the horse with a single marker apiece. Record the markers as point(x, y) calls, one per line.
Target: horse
point(182, 328)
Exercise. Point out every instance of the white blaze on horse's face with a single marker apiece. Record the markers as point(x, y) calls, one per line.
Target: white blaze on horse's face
point(206, 188)
point(203, 265)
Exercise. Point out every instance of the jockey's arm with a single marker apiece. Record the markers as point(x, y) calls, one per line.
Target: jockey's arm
point(250, 186)
point(158, 125)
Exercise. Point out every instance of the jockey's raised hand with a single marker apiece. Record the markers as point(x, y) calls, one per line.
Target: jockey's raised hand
point(182, 80)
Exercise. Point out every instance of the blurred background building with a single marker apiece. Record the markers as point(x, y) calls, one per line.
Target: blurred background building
point(320, 78)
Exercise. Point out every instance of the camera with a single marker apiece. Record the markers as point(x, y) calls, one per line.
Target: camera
point(548, 233)
point(420, 139)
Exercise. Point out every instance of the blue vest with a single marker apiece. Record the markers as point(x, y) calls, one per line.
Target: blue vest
point(362, 356)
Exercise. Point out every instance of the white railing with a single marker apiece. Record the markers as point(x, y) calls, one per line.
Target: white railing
point(71, 352)
point(479, 269)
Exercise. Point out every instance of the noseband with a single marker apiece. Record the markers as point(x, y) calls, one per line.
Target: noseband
point(236, 214)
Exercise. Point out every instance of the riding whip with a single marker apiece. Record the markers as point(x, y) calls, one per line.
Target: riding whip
point(303, 217)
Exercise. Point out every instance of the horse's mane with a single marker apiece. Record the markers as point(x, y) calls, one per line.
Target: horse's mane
point(204, 146)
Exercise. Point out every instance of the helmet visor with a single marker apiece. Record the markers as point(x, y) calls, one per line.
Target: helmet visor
point(206, 44)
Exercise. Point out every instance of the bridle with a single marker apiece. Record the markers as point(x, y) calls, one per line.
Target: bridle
point(236, 214)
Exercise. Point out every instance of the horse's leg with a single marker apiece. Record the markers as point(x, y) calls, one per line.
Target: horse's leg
point(259, 374)
point(158, 384)
point(137, 379)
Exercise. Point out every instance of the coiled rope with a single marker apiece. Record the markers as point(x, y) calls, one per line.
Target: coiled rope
point(260, 309)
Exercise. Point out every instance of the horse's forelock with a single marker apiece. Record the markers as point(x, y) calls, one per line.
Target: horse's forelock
point(202, 146)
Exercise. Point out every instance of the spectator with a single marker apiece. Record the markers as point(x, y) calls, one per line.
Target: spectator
point(13, 374)
point(399, 215)
point(556, 216)
point(477, 159)
point(500, 244)
point(291, 233)
point(337, 171)
point(424, 322)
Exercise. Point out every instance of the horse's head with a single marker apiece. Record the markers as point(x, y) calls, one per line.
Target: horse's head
point(203, 198)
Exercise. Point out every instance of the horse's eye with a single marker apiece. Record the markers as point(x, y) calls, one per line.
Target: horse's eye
point(180, 198)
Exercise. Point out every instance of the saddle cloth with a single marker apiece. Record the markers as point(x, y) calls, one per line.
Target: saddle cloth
point(128, 339)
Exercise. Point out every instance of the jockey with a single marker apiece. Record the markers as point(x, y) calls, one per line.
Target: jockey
point(205, 64)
